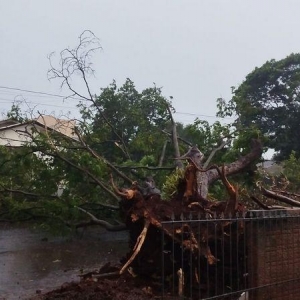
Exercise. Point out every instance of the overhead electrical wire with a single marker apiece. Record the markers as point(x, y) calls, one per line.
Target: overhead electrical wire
point(38, 93)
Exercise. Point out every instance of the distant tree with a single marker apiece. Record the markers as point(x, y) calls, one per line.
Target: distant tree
point(269, 101)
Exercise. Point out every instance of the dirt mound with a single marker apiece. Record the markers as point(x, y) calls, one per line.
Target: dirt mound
point(124, 287)
point(111, 286)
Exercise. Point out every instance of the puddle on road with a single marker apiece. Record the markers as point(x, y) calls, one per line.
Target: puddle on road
point(29, 262)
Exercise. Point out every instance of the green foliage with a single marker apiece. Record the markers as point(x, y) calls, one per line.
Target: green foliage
point(16, 114)
point(171, 182)
point(269, 101)
point(124, 129)
point(128, 123)
point(207, 136)
point(291, 170)
point(30, 176)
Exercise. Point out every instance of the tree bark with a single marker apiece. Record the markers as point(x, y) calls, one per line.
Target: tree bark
point(179, 163)
point(211, 175)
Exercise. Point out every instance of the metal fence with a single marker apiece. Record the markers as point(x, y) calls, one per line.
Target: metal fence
point(253, 256)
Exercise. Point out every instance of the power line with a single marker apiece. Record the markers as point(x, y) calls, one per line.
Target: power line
point(71, 97)
point(36, 92)
point(4, 100)
point(201, 115)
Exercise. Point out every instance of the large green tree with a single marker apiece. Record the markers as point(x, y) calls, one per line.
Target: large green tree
point(269, 101)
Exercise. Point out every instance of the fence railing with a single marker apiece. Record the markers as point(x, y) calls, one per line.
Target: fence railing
point(253, 256)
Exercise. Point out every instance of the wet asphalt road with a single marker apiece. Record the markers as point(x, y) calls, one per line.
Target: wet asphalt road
point(32, 261)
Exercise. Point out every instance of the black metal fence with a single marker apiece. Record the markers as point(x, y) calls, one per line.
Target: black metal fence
point(249, 256)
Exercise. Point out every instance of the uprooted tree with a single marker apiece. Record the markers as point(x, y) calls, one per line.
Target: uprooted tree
point(132, 134)
point(142, 209)
point(189, 249)
point(129, 133)
point(102, 170)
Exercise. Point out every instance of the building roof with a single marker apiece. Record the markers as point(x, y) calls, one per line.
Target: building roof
point(65, 127)
point(7, 122)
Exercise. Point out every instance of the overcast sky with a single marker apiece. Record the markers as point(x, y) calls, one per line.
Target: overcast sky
point(194, 49)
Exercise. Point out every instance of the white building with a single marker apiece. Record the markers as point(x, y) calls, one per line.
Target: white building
point(15, 134)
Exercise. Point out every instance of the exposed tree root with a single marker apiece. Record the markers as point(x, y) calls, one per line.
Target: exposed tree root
point(137, 247)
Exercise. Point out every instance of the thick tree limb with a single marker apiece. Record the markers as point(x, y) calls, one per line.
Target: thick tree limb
point(279, 197)
point(239, 164)
point(267, 207)
point(178, 137)
point(259, 203)
point(163, 153)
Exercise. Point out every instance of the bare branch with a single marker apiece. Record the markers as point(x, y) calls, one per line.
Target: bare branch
point(178, 137)
point(232, 203)
point(94, 154)
point(33, 195)
point(107, 206)
point(78, 61)
point(96, 221)
point(214, 151)
point(179, 163)
point(146, 168)
point(100, 183)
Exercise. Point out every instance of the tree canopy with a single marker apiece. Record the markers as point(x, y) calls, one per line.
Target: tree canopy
point(269, 101)
point(123, 116)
